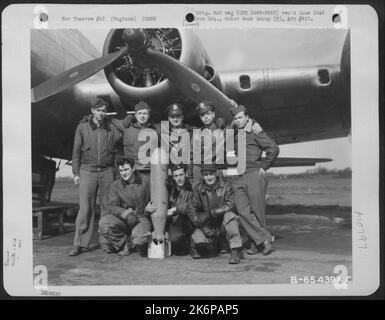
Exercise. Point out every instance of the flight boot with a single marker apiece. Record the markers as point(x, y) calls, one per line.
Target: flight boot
point(206, 250)
point(75, 251)
point(252, 250)
point(127, 249)
point(142, 249)
point(180, 248)
point(235, 257)
point(195, 254)
point(267, 245)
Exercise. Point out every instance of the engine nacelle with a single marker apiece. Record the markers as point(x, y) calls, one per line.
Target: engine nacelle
point(135, 77)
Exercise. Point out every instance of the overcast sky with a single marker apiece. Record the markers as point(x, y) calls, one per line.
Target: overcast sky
point(247, 49)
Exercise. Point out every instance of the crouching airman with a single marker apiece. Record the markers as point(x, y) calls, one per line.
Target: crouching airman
point(179, 225)
point(212, 210)
point(128, 225)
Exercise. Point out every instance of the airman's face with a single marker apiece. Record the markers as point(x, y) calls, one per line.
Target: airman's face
point(142, 116)
point(207, 117)
point(179, 177)
point(99, 113)
point(240, 120)
point(209, 176)
point(126, 171)
point(176, 120)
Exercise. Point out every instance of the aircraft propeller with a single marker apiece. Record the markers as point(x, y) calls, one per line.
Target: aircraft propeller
point(136, 43)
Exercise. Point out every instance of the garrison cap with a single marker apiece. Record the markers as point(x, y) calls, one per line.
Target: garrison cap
point(174, 109)
point(100, 102)
point(204, 106)
point(235, 110)
point(174, 167)
point(141, 105)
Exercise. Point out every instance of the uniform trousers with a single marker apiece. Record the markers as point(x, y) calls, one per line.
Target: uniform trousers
point(179, 230)
point(229, 227)
point(250, 201)
point(115, 232)
point(90, 184)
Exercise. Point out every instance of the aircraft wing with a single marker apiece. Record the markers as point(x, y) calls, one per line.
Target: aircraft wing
point(298, 162)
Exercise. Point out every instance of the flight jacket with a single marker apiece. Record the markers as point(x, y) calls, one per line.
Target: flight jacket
point(133, 194)
point(132, 144)
point(210, 204)
point(94, 147)
point(255, 145)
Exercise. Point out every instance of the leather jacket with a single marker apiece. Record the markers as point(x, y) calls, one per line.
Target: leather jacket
point(132, 144)
point(209, 204)
point(133, 194)
point(94, 147)
point(180, 200)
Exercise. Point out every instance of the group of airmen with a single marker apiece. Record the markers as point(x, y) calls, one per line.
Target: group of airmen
point(208, 213)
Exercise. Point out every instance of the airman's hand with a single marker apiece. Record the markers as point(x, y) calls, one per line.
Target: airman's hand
point(151, 207)
point(171, 211)
point(262, 172)
point(209, 232)
point(131, 217)
point(85, 119)
point(76, 180)
point(256, 128)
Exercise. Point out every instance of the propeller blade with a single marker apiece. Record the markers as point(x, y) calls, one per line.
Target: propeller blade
point(74, 75)
point(148, 79)
point(192, 84)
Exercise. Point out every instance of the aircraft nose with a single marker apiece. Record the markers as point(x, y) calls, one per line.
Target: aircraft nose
point(134, 38)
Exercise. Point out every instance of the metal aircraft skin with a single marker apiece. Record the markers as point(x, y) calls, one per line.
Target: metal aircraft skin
point(162, 66)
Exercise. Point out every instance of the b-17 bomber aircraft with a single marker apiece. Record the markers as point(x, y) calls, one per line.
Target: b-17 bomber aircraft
point(295, 103)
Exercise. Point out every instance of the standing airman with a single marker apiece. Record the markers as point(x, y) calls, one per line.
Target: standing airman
point(93, 158)
point(251, 186)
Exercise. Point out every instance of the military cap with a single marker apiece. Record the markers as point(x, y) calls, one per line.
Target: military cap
point(174, 167)
point(141, 105)
point(174, 109)
point(235, 110)
point(100, 103)
point(204, 106)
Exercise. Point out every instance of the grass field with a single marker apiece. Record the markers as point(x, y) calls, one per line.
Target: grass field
point(308, 191)
point(312, 190)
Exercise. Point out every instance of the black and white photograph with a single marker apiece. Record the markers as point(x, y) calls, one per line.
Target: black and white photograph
point(190, 156)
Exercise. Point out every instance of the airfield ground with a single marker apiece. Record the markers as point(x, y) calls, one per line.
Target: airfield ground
point(310, 217)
